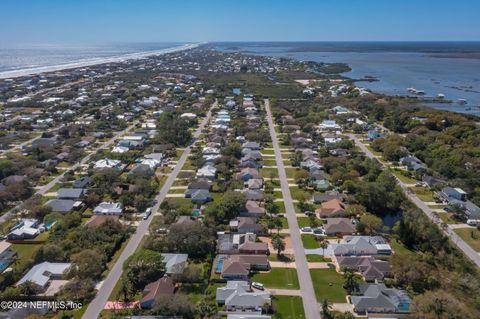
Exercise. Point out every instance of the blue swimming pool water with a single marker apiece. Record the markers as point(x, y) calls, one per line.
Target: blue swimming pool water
point(3, 265)
point(219, 266)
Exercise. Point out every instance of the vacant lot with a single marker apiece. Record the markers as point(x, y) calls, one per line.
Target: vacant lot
point(471, 236)
point(280, 278)
point(310, 241)
point(328, 284)
point(288, 307)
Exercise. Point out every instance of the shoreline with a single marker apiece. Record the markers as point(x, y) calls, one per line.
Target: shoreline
point(94, 61)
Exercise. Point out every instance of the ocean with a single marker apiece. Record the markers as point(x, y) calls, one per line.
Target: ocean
point(449, 68)
point(37, 58)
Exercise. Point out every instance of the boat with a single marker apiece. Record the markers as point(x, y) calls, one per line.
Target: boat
point(415, 91)
point(441, 96)
point(462, 101)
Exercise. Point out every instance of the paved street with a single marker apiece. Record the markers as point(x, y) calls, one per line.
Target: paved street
point(97, 304)
point(310, 303)
point(462, 245)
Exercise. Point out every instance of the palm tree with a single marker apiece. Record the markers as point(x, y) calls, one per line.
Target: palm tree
point(326, 307)
point(323, 245)
point(350, 280)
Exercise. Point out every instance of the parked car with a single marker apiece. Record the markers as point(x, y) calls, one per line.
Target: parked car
point(309, 213)
point(307, 229)
point(148, 212)
point(258, 286)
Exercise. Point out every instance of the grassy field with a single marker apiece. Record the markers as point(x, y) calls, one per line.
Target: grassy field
point(328, 284)
point(400, 175)
point(290, 171)
point(288, 307)
point(299, 194)
point(280, 278)
point(25, 253)
point(399, 248)
point(269, 162)
point(471, 237)
point(423, 193)
point(447, 218)
point(310, 241)
point(267, 173)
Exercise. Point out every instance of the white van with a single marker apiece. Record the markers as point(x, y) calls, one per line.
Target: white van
point(473, 222)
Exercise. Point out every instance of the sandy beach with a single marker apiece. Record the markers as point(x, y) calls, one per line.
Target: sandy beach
point(94, 61)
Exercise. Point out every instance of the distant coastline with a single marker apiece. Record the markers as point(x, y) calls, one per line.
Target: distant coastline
point(93, 61)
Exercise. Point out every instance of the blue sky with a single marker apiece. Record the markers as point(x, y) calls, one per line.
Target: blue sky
point(107, 21)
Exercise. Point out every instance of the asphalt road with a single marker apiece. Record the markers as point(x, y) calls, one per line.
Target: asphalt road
point(310, 304)
point(461, 244)
point(44, 189)
point(97, 304)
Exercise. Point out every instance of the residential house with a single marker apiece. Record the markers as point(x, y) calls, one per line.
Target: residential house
point(254, 184)
point(45, 274)
point(238, 267)
point(431, 181)
point(208, 171)
point(253, 195)
point(448, 194)
point(238, 296)
point(253, 209)
point(107, 163)
point(248, 173)
point(27, 228)
point(234, 243)
point(71, 193)
point(370, 268)
point(377, 298)
point(63, 205)
point(249, 163)
point(161, 288)
point(174, 263)
point(108, 208)
point(339, 227)
point(82, 182)
point(332, 208)
point(327, 196)
point(361, 246)
point(245, 225)
point(200, 183)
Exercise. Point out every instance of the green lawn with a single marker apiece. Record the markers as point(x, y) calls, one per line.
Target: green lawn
point(298, 193)
point(310, 241)
point(267, 173)
point(269, 162)
point(277, 194)
point(471, 237)
point(269, 152)
point(400, 175)
point(328, 284)
point(399, 248)
point(447, 218)
point(25, 254)
point(312, 258)
point(305, 221)
point(280, 278)
point(423, 193)
point(290, 171)
point(288, 307)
